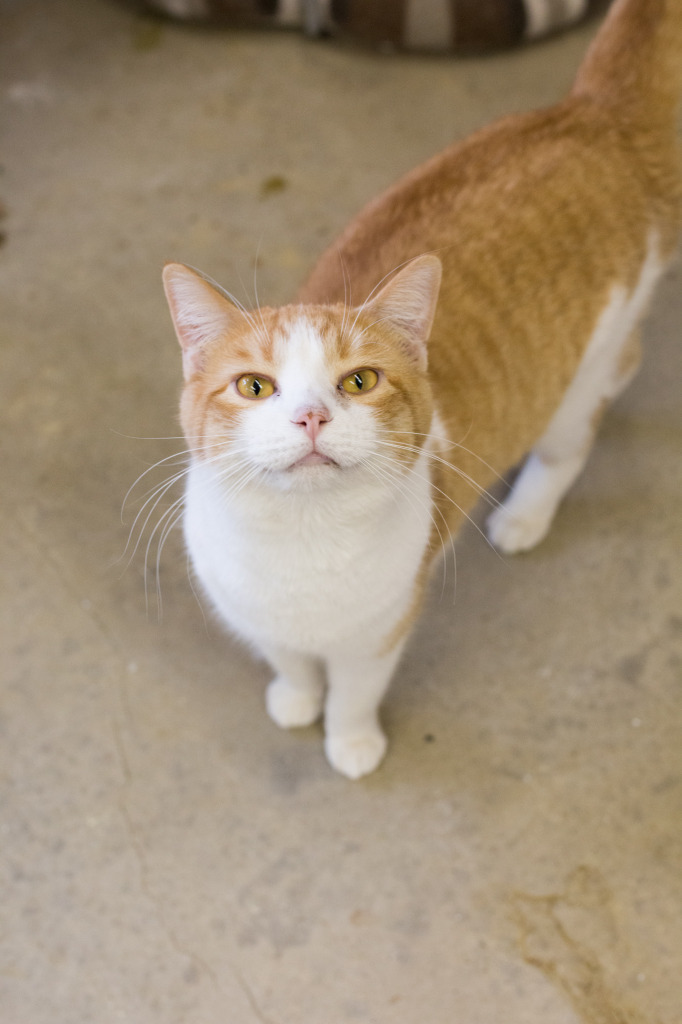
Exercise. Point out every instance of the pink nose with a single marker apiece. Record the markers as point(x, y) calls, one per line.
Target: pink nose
point(312, 420)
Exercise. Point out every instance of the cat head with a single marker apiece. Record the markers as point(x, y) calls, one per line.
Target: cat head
point(303, 395)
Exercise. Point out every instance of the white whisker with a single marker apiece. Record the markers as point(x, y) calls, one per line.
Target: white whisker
point(442, 493)
point(157, 495)
point(478, 488)
point(395, 473)
point(453, 444)
point(221, 452)
point(190, 578)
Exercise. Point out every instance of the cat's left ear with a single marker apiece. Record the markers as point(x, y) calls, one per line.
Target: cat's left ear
point(201, 313)
point(408, 303)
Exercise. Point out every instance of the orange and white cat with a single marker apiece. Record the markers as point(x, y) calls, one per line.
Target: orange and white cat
point(491, 298)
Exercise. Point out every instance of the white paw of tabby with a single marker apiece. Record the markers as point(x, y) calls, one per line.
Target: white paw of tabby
point(292, 707)
point(358, 754)
point(513, 533)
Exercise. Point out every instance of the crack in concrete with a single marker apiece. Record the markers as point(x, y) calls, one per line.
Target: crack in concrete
point(201, 965)
point(246, 989)
point(136, 842)
point(138, 847)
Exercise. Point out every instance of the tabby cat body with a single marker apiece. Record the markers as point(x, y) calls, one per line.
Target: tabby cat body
point(484, 307)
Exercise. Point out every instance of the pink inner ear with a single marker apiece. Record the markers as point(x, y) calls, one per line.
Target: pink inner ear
point(408, 302)
point(200, 314)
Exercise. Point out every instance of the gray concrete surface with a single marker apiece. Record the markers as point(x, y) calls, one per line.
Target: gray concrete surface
point(167, 855)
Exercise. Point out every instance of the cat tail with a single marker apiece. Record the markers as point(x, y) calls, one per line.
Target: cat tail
point(634, 65)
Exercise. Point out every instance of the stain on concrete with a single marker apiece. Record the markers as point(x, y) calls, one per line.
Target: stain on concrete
point(147, 34)
point(675, 625)
point(630, 669)
point(552, 937)
point(273, 185)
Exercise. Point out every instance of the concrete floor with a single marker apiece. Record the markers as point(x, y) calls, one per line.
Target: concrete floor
point(167, 855)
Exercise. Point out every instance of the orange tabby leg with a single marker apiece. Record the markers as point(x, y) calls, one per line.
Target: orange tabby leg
point(561, 453)
point(354, 743)
point(295, 697)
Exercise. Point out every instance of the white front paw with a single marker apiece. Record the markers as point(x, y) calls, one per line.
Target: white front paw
point(291, 707)
point(513, 533)
point(358, 754)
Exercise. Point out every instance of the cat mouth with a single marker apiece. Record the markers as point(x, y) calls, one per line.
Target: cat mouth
point(314, 458)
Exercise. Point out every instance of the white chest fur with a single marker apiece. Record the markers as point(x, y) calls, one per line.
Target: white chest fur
point(311, 571)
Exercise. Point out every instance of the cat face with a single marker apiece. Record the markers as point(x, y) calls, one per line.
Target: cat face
point(303, 396)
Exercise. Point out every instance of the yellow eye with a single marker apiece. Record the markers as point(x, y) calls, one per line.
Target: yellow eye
point(251, 386)
point(360, 381)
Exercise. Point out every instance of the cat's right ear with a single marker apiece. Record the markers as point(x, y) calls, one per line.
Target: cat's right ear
point(201, 314)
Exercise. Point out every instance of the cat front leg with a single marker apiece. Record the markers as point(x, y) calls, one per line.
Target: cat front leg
point(295, 697)
point(354, 741)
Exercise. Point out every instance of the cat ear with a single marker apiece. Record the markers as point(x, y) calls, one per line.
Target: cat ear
point(201, 314)
point(408, 303)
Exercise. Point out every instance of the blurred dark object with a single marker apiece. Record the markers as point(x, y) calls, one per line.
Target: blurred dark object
point(422, 25)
